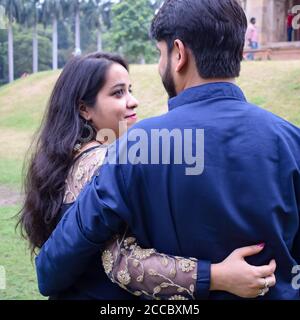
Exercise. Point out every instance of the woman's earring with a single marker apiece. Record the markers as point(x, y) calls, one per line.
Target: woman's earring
point(77, 147)
point(87, 133)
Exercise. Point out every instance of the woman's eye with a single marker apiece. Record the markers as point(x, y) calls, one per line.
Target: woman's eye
point(119, 93)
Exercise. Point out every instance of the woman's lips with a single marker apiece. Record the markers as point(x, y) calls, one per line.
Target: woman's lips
point(132, 116)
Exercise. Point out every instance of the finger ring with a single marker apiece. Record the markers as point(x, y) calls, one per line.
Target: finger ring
point(262, 292)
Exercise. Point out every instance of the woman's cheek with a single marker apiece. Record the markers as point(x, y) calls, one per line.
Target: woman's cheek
point(122, 110)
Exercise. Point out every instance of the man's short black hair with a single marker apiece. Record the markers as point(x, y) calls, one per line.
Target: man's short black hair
point(214, 30)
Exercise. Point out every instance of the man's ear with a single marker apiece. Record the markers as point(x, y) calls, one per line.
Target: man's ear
point(181, 55)
point(84, 111)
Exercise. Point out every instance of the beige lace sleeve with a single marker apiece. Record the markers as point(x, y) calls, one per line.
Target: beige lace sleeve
point(145, 272)
point(82, 172)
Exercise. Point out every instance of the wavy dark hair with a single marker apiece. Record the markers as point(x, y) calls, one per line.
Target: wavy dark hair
point(52, 155)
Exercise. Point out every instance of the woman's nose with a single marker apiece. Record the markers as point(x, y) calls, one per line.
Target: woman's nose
point(132, 102)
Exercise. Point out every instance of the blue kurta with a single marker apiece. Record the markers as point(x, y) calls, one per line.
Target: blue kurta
point(93, 284)
point(248, 193)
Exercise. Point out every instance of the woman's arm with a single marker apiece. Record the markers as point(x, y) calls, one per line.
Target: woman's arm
point(145, 272)
point(149, 273)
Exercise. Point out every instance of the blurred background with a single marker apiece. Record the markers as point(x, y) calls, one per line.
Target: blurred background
point(37, 38)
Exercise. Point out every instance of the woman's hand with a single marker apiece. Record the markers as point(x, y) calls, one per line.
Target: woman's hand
point(236, 276)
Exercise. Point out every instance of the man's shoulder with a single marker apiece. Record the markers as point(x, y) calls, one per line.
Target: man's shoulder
point(156, 122)
point(253, 115)
point(272, 125)
point(270, 119)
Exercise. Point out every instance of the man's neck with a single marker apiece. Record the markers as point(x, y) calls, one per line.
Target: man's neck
point(197, 81)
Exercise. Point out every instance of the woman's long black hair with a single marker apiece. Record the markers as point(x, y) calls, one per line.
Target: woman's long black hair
point(62, 126)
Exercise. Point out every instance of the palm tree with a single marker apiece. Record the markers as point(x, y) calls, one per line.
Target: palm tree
point(52, 12)
point(74, 9)
point(13, 10)
point(30, 17)
point(98, 16)
point(93, 12)
point(2, 12)
point(156, 4)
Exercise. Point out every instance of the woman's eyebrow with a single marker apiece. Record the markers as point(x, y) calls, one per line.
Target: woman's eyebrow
point(119, 85)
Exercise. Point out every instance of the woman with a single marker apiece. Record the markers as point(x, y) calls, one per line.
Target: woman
point(94, 93)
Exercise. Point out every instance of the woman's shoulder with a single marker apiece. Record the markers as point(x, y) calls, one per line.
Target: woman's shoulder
point(90, 157)
point(83, 169)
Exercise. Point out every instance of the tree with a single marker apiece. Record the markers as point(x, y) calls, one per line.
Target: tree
point(2, 14)
point(156, 4)
point(13, 10)
point(52, 12)
point(23, 46)
point(3, 57)
point(23, 52)
point(97, 13)
point(130, 30)
point(74, 9)
point(30, 17)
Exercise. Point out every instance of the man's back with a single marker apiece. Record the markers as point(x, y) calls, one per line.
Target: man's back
point(248, 193)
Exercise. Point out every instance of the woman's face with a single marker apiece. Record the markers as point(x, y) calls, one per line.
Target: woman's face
point(115, 103)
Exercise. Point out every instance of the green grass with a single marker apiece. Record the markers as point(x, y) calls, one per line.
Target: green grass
point(10, 172)
point(14, 257)
point(23, 102)
point(274, 85)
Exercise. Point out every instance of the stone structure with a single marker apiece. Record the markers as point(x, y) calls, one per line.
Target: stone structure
point(271, 18)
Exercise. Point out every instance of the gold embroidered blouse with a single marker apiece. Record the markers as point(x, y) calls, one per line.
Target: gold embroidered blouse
point(143, 272)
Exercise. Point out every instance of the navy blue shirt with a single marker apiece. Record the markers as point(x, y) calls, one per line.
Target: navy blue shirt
point(93, 283)
point(248, 193)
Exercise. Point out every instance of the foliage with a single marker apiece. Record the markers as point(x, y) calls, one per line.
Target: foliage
point(124, 25)
point(23, 51)
point(129, 34)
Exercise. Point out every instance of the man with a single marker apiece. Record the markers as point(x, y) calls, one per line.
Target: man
point(289, 22)
point(252, 37)
point(249, 190)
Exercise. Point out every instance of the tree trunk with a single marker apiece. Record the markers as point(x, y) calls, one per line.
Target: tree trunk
point(35, 49)
point(10, 52)
point(77, 32)
point(99, 40)
point(54, 44)
point(142, 60)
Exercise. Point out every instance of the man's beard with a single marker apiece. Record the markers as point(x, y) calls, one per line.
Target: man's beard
point(168, 81)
